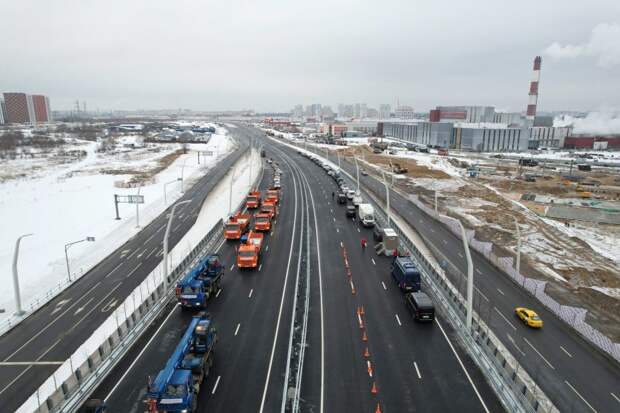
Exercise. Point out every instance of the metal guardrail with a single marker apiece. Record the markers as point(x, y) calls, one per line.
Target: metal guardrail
point(515, 389)
point(80, 382)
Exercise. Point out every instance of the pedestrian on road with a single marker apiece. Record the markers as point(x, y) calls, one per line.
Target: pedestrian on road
point(364, 242)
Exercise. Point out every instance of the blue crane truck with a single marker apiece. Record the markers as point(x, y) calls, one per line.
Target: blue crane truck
point(176, 387)
point(406, 274)
point(200, 283)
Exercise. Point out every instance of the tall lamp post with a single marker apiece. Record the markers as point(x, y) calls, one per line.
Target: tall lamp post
point(165, 185)
point(387, 197)
point(18, 298)
point(182, 170)
point(67, 246)
point(470, 278)
point(232, 178)
point(166, 240)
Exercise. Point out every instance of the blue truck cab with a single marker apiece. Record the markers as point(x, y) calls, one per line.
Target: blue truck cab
point(406, 274)
point(200, 283)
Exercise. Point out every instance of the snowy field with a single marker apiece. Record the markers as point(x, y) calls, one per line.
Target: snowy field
point(62, 203)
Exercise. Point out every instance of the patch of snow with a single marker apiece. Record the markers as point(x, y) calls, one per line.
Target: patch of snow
point(442, 185)
point(612, 292)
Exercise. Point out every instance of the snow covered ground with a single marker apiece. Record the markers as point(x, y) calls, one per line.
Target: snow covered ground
point(69, 202)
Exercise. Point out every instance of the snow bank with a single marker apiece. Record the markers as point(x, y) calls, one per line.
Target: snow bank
point(68, 205)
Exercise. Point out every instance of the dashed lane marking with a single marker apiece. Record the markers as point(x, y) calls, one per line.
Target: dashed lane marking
point(501, 292)
point(567, 353)
point(114, 269)
point(251, 291)
point(615, 397)
point(505, 319)
point(417, 370)
point(216, 383)
point(580, 396)
point(460, 255)
point(217, 294)
point(383, 284)
point(237, 329)
point(373, 261)
point(134, 270)
point(260, 267)
point(398, 319)
point(537, 352)
point(515, 344)
point(232, 266)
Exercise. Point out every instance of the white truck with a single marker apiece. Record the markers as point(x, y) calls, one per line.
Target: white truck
point(366, 215)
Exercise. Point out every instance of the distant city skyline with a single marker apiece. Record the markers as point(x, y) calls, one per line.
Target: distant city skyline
point(268, 57)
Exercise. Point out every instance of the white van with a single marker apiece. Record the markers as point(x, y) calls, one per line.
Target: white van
point(366, 215)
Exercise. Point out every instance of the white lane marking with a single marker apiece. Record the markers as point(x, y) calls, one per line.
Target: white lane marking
point(162, 227)
point(383, 284)
point(177, 227)
point(417, 370)
point(515, 344)
point(478, 271)
point(337, 230)
point(218, 293)
point(432, 230)
point(216, 383)
point(160, 252)
point(341, 245)
point(260, 267)
point(237, 329)
point(150, 238)
point(81, 308)
point(151, 253)
point(334, 219)
point(445, 242)
point(114, 269)
point(271, 233)
point(267, 248)
point(398, 319)
point(482, 295)
point(51, 322)
point(567, 353)
point(373, 261)
point(59, 305)
point(140, 354)
point(251, 291)
point(31, 363)
point(505, 319)
point(132, 254)
point(580, 396)
point(358, 230)
point(537, 352)
point(460, 255)
point(501, 292)
point(369, 368)
point(134, 270)
point(463, 367)
point(615, 397)
point(232, 266)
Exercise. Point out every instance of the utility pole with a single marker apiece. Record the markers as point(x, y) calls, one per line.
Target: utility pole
point(387, 197)
point(166, 241)
point(518, 262)
point(137, 211)
point(470, 278)
point(232, 178)
point(357, 172)
point(18, 298)
point(67, 246)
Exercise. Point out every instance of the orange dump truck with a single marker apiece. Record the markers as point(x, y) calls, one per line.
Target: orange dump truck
point(269, 207)
point(253, 200)
point(236, 226)
point(262, 221)
point(249, 251)
point(272, 195)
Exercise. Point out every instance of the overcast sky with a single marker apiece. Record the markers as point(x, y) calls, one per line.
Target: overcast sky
point(270, 55)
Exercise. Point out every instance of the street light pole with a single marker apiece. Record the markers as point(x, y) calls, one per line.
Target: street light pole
point(232, 178)
point(338, 154)
point(166, 241)
point(182, 170)
point(387, 198)
point(18, 298)
point(518, 263)
point(166, 184)
point(357, 172)
point(137, 211)
point(67, 246)
point(470, 278)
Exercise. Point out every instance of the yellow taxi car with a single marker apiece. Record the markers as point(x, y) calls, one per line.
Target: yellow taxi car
point(529, 317)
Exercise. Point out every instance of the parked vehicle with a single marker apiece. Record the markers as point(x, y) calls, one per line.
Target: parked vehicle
point(350, 212)
point(236, 226)
point(273, 194)
point(350, 194)
point(377, 233)
point(357, 199)
point(269, 207)
point(342, 198)
point(262, 221)
point(253, 200)
point(406, 274)
point(366, 214)
point(177, 386)
point(421, 306)
point(248, 253)
point(200, 283)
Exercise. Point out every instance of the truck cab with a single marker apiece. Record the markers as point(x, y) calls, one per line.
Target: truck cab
point(249, 252)
point(236, 226)
point(406, 274)
point(273, 195)
point(201, 283)
point(262, 221)
point(253, 200)
point(269, 207)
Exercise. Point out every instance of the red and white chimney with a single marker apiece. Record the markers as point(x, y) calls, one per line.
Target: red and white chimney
point(533, 100)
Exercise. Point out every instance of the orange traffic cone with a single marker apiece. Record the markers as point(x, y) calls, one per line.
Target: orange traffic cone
point(366, 353)
point(378, 409)
point(364, 336)
point(374, 390)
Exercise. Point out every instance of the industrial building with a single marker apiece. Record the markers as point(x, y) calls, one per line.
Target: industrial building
point(470, 114)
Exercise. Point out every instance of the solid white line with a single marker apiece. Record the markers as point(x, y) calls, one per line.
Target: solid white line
point(478, 271)
point(615, 397)
point(580, 396)
point(480, 292)
point(505, 319)
point(232, 266)
point(251, 291)
point(31, 363)
point(337, 230)
point(567, 353)
point(114, 269)
point(515, 344)
point(417, 370)
point(541, 356)
point(383, 284)
point(237, 329)
point(52, 322)
point(218, 293)
point(135, 360)
point(134, 270)
point(460, 255)
point(216, 383)
point(484, 406)
point(373, 261)
point(150, 238)
point(151, 253)
point(398, 319)
point(501, 292)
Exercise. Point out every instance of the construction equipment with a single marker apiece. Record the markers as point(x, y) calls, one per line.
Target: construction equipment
point(200, 283)
point(273, 194)
point(176, 387)
point(236, 226)
point(262, 221)
point(397, 169)
point(269, 207)
point(253, 200)
point(249, 252)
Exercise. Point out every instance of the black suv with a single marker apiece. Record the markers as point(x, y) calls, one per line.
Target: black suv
point(351, 210)
point(342, 198)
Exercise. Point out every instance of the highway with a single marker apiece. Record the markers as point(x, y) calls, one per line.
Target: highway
point(414, 367)
point(575, 376)
point(31, 351)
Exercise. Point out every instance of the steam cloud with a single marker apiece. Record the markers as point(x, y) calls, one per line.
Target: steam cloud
point(604, 44)
point(597, 123)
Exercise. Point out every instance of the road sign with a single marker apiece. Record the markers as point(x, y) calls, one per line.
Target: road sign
point(130, 199)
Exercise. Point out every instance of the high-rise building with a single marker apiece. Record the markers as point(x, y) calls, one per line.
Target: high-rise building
point(298, 111)
point(2, 112)
point(404, 112)
point(40, 105)
point(16, 108)
point(385, 111)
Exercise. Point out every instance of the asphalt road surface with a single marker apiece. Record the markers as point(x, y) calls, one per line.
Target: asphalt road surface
point(414, 367)
point(56, 330)
point(575, 375)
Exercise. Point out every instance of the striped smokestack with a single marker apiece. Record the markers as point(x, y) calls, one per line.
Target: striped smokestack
point(533, 100)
